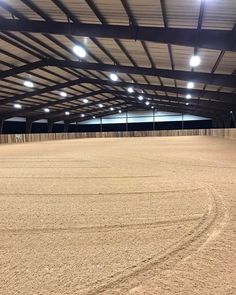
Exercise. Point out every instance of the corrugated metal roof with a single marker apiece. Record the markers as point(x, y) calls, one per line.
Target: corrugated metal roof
point(19, 49)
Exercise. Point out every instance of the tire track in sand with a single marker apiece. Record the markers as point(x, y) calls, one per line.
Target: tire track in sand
point(208, 228)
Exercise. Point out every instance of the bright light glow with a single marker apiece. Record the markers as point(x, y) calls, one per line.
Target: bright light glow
point(113, 77)
point(188, 96)
point(94, 117)
point(120, 111)
point(140, 97)
point(85, 100)
point(195, 61)
point(29, 84)
point(112, 109)
point(147, 103)
point(67, 113)
point(152, 107)
point(190, 85)
point(82, 115)
point(79, 51)
point(100, 105)
point(17, 106)
point(187, 103)
point(63, 94)
point(46, 110)
point(130, 89)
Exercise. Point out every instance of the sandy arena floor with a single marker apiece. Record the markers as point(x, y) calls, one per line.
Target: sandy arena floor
point(118, 216)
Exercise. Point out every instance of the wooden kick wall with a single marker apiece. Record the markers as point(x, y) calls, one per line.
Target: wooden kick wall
point(21, 138)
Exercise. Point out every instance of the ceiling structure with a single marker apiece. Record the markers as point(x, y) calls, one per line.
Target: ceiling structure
point(147, 44)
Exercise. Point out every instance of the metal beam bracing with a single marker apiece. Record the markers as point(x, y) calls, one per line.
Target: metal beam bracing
point(102, 114)
point(152, 98)
point(204, 38)
point(79, 107)
point(27, 111)
point(60, 115)
point(229, 97)
point(215, 95)
point(197, 77)
point(22, 69)
point(58, 86)
point(155, 99)
point(164, 107)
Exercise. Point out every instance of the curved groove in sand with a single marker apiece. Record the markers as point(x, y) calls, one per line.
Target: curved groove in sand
point(188, 244)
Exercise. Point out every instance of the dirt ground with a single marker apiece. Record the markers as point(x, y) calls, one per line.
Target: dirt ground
point(118, 216)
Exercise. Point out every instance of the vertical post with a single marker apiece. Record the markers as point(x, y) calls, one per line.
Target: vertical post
point(227, 121)
point(28, 125)
point(50, 126)
point(232, 115)
point(101, 124)
point(1, 125)
point(153, 122)
point(126, 125)
point(182, 121)
point(66, 127)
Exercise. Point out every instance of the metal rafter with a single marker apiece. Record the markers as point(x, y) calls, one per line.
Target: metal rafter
point(41, 106)
point(198, 77)
point(162, 106)
point(220, 96)
point(209, 39)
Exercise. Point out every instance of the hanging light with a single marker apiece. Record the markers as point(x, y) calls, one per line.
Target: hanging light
point(113, 77)
point(195, 61)
point(17, 106)
point(29, 84)
point(130, 89)
point(190, 85)
point(79, 51)
point(63, 94)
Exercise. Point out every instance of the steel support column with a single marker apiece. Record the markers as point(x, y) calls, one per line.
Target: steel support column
point(1, 125)
point(28, 125)
point(50, 126)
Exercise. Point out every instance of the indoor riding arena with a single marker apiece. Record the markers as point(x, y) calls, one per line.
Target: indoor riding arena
point(117, 147)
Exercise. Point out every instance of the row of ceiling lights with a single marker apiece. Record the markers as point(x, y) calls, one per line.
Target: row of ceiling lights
point(81, 52)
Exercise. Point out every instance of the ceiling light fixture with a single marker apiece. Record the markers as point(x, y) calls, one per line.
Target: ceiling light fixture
point(79, 51)
point(113, 77)
point(147, 103)
point(130, 89)
point(17, 106)
point(94, 117)
point(67, 113)
point(100, 105)
point(29, 84)
point(188, 96)
point(85, 100)
point(112, 109)
point(120, 111)
point(82, 115)
point(190, 85)
point(195, 61)
point(46, 110)
point(187, 103)
point(140, 97)
point(63, 94)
